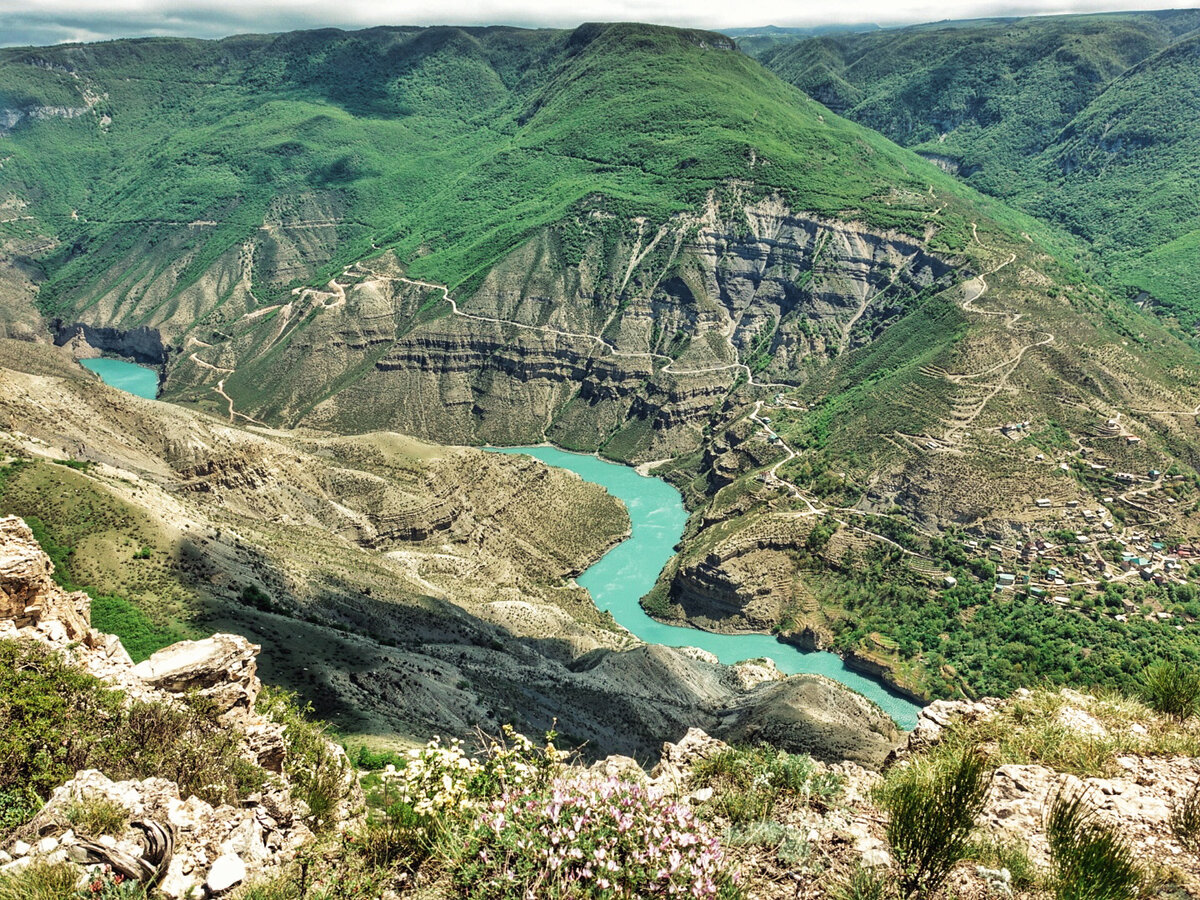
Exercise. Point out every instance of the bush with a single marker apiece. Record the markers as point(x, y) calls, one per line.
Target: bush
point(318, 772)
point(1172, 689)
point(17, 806)
point(1090, 859)
point(56, 719)
point(582, 837)
point(748, 782)
point(1185, 823)
point(932, 808)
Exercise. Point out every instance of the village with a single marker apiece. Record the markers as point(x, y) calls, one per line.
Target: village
point(1070, 552)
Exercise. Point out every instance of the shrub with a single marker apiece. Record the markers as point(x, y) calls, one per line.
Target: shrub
point(184, 743)
point(319, 773)
point(1172, 689)
point(56, 719)
point(17, 806)
point(1185, 823)
point(748, 782)
point(932, 808)
point(583, 837)
point(1090, 859)
point(93, 816)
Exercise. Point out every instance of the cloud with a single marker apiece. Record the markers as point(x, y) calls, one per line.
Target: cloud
point(39, 22)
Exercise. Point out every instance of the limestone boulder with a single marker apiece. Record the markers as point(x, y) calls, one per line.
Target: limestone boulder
point(220, 668)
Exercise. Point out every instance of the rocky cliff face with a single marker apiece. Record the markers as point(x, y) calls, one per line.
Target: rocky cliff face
point(182, 845)
point(143, 344)
point(631, 348)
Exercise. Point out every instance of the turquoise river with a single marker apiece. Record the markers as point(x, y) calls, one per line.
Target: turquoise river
point(127, 376)
point(628, 571)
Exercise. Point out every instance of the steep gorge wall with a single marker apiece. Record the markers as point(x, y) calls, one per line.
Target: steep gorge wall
point(142, 344)
point(629, 348)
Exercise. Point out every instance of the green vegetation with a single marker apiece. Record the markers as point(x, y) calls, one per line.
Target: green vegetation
point(1185, 822)
point(41, 881)
point(1029, 730)
point(516, 814)
point(932, 808)
point(318, 774)
point(1085, 121)
point(864, 883)
point(970, 640)
point(138, 633)
point(56, 720)
point(97, 815)
point(1172, 689)
point(504, 131)
point(64, 510)
point(1091, 860)
point(748, 783)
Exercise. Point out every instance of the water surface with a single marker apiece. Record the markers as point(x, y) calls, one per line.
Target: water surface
point(629, 570)
point(125, 376)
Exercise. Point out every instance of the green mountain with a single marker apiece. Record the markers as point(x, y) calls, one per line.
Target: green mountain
point(450, 145)
point(637, 241)
point(1086, 121)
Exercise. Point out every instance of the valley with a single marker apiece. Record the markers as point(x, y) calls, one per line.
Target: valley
point(910, 424)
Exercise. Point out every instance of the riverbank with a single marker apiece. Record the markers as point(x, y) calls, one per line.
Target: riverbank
point(619, 579)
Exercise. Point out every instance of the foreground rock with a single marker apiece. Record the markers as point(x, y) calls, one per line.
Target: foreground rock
point(209, 849)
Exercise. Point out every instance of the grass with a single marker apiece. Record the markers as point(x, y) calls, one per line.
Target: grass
point(1090, 859)
point(749, 782)
point(1185, 822)
point(1029, 730)
point(96, 815)
point(85, 531)
point(40, 881)
point(997, 855)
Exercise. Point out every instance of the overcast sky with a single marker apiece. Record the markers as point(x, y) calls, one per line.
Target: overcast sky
point(55, 21)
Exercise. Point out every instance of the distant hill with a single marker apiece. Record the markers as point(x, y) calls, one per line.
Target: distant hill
point(1006, 103)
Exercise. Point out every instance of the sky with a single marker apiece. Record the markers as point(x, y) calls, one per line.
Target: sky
point(24, 22)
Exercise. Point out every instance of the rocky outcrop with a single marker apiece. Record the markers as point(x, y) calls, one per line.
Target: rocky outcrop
point(186, 846)
point(214, 848)
point(11, 117)
point(29, 598)
point(141, 344)
point(626, 348)
point(219, 669)
point(814, 715)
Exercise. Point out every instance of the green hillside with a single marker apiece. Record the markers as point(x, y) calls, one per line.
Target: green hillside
point(1125, 175)
point(1088, 121)
point(451, 145)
